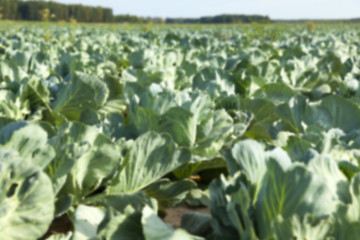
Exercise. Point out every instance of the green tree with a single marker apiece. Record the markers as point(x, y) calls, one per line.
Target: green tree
point(45, 14)
point(49, 10)
point(99, 14)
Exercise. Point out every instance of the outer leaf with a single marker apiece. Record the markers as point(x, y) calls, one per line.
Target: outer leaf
point(124, 226)
point(196, 223)
point(121, 201)
point(60, 236)
point(89, 157)
point(181, 125)
point(5, 121)
point(161, 102)
point(198, 198)
point(297, 148)
point(9, 71)
point(348, 169)
point(296, 191)
point(81, 94)
point(219, 129)
point(248, 156)
point(214, 81)
point(293, 113)
point(200, 105)
point(339, 109)
point(30, 140)
point(353, 210)
point(170, 194)
point(37, 93)
point(275, 92)
point(86, 221)
point(144, 120)
point(26, 199)
point(347, 216)
point(230, 209)
point(325, 167)
point(156, 229)
point(198, 164)
point(306, 229)
point(264, 116)
point(114, 85)
point(151, 157)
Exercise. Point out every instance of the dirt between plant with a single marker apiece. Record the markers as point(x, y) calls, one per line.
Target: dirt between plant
point(59, 225)
point(173, 215)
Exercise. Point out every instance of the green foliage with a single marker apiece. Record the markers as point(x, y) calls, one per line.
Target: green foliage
point(105, 126)
point(26, 199)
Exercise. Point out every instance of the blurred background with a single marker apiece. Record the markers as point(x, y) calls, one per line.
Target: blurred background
point(187, 11)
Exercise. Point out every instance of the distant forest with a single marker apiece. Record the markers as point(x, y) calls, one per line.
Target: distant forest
point(225, 18)
point(350, 20)
point(53, 11)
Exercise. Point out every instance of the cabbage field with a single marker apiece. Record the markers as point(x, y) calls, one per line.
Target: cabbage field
point(107, 128)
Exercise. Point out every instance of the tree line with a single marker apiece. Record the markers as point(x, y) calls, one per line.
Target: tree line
point(222, 19)
point(324, 21)
point(41, 10)
point(53, 11)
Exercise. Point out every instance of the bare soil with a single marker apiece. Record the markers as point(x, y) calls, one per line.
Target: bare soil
point(173, 215)
point(59, 225)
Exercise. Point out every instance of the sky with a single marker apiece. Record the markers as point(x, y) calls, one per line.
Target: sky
point(275, 9)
